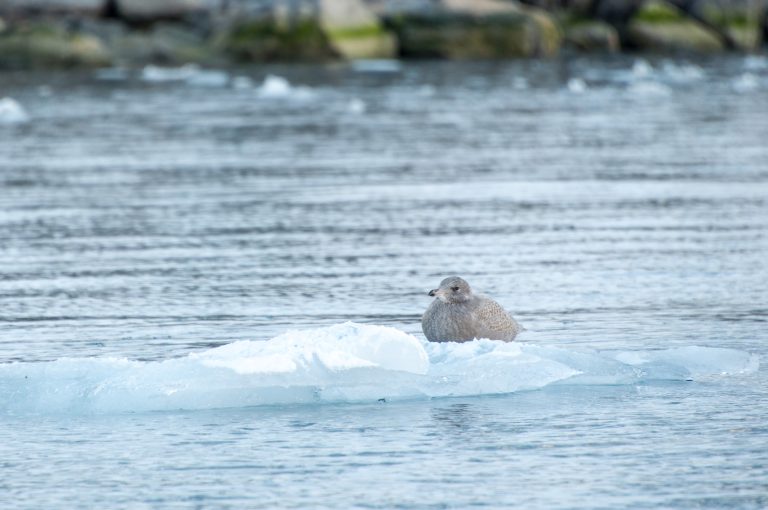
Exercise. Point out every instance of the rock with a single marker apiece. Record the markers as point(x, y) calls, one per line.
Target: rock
point(545, 36)
point(165, 43)
point(180, 44)
point(464, 29)
point(50, 45)
point(91, 7)
point(353, 30)
point(308, 30)
point(672, 37)
point(152, 10)
point(592, 36)
point(262, 39)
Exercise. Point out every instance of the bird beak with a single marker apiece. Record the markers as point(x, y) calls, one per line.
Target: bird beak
point(433, 292)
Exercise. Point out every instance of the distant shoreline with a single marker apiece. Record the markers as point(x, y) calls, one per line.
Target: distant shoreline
point(105, 33)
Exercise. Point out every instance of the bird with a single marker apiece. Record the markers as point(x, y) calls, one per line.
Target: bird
point(459, 315)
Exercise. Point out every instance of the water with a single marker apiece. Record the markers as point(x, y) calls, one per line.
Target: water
point(156, 219)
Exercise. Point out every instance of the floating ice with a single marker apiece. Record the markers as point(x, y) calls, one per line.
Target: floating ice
point(278, 87)
point(577, 85)
point(153, 73)
point(11, 112)
point(356, 106)
point(642, 69)
point(190, 73)
point(746, 83)
point(342, 363)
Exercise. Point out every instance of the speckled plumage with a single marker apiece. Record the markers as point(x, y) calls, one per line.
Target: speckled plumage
point(459, 315)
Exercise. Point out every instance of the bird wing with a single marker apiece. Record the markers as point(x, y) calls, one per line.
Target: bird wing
point(496, 319)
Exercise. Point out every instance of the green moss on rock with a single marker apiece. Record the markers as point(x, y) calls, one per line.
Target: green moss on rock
point(367, 41)
point(684, 36)
point(460, 36)
point(592, 36)
point(658, 12)
point(259, 40)
point(48, 45)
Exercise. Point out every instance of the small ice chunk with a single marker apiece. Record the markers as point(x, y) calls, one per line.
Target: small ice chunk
point(642, 69)
point(745, 83)
point(278, 87)
point(275, 86)
point(11, 112)
point(153, 73)
point(577, 85)
point(356, 106)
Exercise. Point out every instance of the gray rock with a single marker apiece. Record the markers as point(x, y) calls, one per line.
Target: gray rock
point(53, 6)
point(354, 31)
point(673, 37)
point(50, 44)
point(593, 36)
point(464, 29)
point(306, 30)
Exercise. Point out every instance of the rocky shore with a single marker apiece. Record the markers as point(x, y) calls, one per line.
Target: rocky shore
point(101, 33)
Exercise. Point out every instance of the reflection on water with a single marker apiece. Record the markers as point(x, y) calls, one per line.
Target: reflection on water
point(453, 418)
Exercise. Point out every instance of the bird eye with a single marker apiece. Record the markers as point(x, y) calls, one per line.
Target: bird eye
point(455, 289)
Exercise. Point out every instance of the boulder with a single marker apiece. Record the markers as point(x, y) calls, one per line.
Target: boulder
point(91, 7)
point(263, 39)
point(672, 37)
point(353, 31)
point(301, 30)
point(592, 36)
point(464, 29)
point(50, 45)
point(165, 43)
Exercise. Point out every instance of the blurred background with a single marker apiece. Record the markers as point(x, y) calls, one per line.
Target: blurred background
point(98, 33)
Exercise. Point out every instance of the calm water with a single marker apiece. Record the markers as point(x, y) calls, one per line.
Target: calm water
point(612, 204)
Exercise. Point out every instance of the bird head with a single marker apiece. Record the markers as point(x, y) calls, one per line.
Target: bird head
point(452, 290)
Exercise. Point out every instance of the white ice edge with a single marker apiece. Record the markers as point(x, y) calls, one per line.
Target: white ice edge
point(342, 363)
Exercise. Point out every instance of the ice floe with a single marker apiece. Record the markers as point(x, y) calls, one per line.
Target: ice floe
point(342, 363)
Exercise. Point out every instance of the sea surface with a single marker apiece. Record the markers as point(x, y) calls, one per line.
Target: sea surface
point(193, 262)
